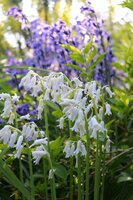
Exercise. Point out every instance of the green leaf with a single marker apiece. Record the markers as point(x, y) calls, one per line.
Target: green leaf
point(110, 122)
point(52, 105)
point(60, 171)
point(84, 74)
point(71, 48)
point(92, 54)
point(124, 177)
point(75, 67)
point(78, 57)
point(12, 178)
point(98, 60)
point(118, 65)
point(128, 4)
point(57, 113)
point(88, 46)
point(56, 146)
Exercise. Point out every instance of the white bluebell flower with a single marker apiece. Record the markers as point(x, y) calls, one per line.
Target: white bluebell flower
point(108, 111)
point(80, 149)
point(38, 153)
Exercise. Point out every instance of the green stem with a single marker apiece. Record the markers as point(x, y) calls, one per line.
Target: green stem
point(87, 167)
point(20, 161)
point(103, 177)
point(87, 160)
point(45, 178)
point(47, 135)
point(21, 174)
point(46, 122)
point(79, 178)
point(71, 178)
point(97, 169)
point(71, 166)
point(53, 188)
point(31, 174)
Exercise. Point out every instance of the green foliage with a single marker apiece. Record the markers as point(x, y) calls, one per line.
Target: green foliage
point(56, 146)
point(119, 163)
point(60, 171)
point(87, 59)
point(128, 4)
point(13, 180)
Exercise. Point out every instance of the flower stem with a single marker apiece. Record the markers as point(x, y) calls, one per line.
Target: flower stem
point(46, 122)
point(21, 174)
point(47, 135)
point(31, 175)
point(87, 167)
point(87, 160)
point(97, 169)
point(71, 166)
point(20, 161)
point(53, 188)
point(103, 177)
point(45, 179)
point(71, 178)
point(79, 178)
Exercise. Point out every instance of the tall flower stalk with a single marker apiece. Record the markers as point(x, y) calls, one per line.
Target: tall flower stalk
point(71, 164)
point(52, 179)
point(45, 179)
point(79, 178)
point(87, 187)
point(31, 173)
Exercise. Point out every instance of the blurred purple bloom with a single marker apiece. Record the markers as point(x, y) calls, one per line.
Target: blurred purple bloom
point(89, 26)
point(45, 43)
point(1, 121)
point(23, 109)
point(13, 61)
point(18, 15)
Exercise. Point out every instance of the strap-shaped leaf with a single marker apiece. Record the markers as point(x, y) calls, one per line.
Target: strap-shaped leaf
point(88, 46)
point(78, 57)
point(75, 67)
point(13, 180)
point(98, 60)
point(92, 54)
point(71, 48)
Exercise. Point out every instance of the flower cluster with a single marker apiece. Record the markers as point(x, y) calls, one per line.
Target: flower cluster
point(17, 139)
point(9, 106)
point(45, 42)
point(81, 103)
point(14, 137)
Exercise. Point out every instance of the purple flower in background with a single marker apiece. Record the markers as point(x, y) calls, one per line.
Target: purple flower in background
point(1, 121)
point(89, 26)
point(87, 8)
point(45, 42)
point(13, 61)
point(23, 109)
point(18, 15)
